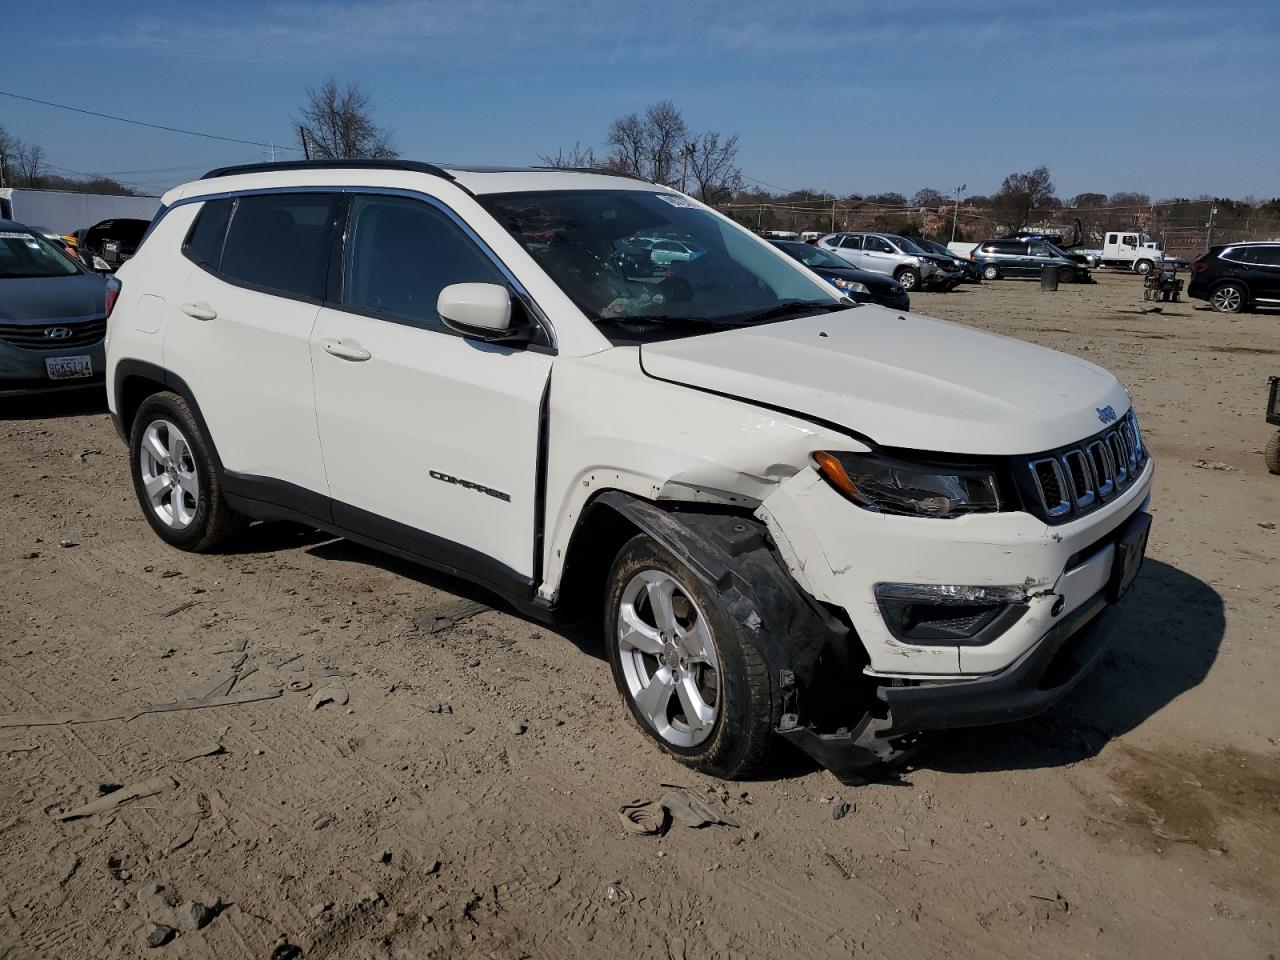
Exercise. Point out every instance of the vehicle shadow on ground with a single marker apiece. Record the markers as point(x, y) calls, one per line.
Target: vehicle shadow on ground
point(73, 403)
point(1165, 645)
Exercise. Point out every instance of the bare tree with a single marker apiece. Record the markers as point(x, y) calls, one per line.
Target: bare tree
point(338, 125)
point(575, 158)
point(1020, 193)
point(928, 197)
point(9, 147)
point(713, 167)
point(649, 146)
point(28, 165)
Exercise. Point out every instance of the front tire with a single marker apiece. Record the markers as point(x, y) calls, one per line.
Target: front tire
point(909, 277)
point(990, 272)
point(1229, 298)
point(1066, 275)
point(175, 477)
point(1143, 267)
point(692, 677)
point(1272, 453)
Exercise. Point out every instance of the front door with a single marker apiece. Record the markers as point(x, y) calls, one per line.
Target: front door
point(430, 439)
point(878, 256)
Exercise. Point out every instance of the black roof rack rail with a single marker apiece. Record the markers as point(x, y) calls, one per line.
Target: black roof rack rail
point(603, 171)
point(413, 166)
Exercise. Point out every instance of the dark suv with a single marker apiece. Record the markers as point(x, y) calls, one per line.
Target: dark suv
point(1026, 257)
point(1237, 276)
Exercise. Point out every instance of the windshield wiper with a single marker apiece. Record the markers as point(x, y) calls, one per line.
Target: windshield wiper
point(794, 306)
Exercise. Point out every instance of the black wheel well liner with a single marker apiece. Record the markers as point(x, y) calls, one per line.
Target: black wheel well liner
point(135, 380)
point(814, 654)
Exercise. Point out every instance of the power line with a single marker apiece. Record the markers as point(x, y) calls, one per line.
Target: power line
point(143, 123)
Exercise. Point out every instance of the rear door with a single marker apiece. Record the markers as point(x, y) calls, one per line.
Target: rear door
point(431, 440)
point(239, 332)
point(1264, 277)
point(850, 248)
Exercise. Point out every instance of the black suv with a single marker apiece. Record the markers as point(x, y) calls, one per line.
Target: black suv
point(1237, 276)
point(1027, 257)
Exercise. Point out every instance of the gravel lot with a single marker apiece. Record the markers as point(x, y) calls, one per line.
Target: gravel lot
point(464, 801)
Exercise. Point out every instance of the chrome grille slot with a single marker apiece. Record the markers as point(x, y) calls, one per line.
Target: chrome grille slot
point(1053, 492)
point(1080, 475)
point(1103, 471)
point(1119, 456)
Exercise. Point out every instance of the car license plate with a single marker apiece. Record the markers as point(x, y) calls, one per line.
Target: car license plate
point(1131, 549)
point(68, 368)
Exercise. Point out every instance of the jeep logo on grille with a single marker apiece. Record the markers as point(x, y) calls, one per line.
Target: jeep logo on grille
point(1106, 414)
point(58, 333)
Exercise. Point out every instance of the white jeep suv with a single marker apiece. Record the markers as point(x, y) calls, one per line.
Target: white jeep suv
point(796, 517)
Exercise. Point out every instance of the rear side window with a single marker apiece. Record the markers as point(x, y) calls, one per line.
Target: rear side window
point(204, 239)
point(401, 253)
point(279, 242)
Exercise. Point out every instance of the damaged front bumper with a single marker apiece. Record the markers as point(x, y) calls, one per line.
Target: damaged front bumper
point(1030, 686)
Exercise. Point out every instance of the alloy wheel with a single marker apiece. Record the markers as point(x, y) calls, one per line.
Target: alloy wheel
point(169, 474)
point(1227, 299)
point(668, 658)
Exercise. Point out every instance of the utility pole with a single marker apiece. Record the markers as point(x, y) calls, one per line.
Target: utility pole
point(685, 152)
point(302, 135)
point(1213, 208)
point(955, 219)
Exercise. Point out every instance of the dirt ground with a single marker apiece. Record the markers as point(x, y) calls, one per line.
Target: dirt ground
point(464, 800)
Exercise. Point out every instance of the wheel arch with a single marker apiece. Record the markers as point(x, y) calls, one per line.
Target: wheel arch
point(135, 380)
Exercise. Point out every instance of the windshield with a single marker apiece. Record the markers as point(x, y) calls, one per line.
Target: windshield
point(644, 265)
point(812, 256)
point(24, 255)
point(907, 245)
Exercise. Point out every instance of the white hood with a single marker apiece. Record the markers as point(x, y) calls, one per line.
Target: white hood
point(902, 380)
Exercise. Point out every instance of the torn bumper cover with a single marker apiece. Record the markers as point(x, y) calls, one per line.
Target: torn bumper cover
point(1030, 686)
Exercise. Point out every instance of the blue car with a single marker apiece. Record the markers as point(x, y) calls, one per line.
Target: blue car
point(53, 316)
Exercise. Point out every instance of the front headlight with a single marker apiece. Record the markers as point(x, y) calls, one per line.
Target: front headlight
point(894, 486)
point(850, 286)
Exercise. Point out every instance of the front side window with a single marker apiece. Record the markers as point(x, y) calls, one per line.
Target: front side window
point(401, 253)
point(279, 242)
point(727, 277)
point(876, 245)
point(1267, 256)
point(24, 255)
point(1130, 240)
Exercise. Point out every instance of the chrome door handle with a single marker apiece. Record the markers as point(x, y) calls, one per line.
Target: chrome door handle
point(200, 310)
point(346, 350)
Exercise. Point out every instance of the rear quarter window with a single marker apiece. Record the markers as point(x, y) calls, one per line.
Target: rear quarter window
point(204, 240)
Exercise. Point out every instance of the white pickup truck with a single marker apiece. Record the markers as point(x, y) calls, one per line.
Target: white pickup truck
point(1132, 251)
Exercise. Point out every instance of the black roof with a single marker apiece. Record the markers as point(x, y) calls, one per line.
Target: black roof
point(12, 226)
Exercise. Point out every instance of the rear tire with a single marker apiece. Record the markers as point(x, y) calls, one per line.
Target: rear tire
point(674, 651)
point(1229, 298)
point(1272, 454)
point(990, 272)
point(909, 277)
point(176, 477)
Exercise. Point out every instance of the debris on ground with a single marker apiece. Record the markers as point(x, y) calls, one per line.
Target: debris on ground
point(146, 788)
point(181, 607)
point(334, 693)
point(299, 686)
point(1213, 465)
point(68, 543)
point(209, 750)
point(194, 915)
point(840, 809)
point(645, 817)
point(693, 810)
point(158, 934)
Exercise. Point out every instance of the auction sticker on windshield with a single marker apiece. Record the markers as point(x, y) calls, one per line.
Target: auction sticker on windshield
point(68, 368)
point(676, 200)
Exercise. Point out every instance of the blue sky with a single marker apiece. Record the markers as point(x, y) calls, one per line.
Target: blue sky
point(1172, 98)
